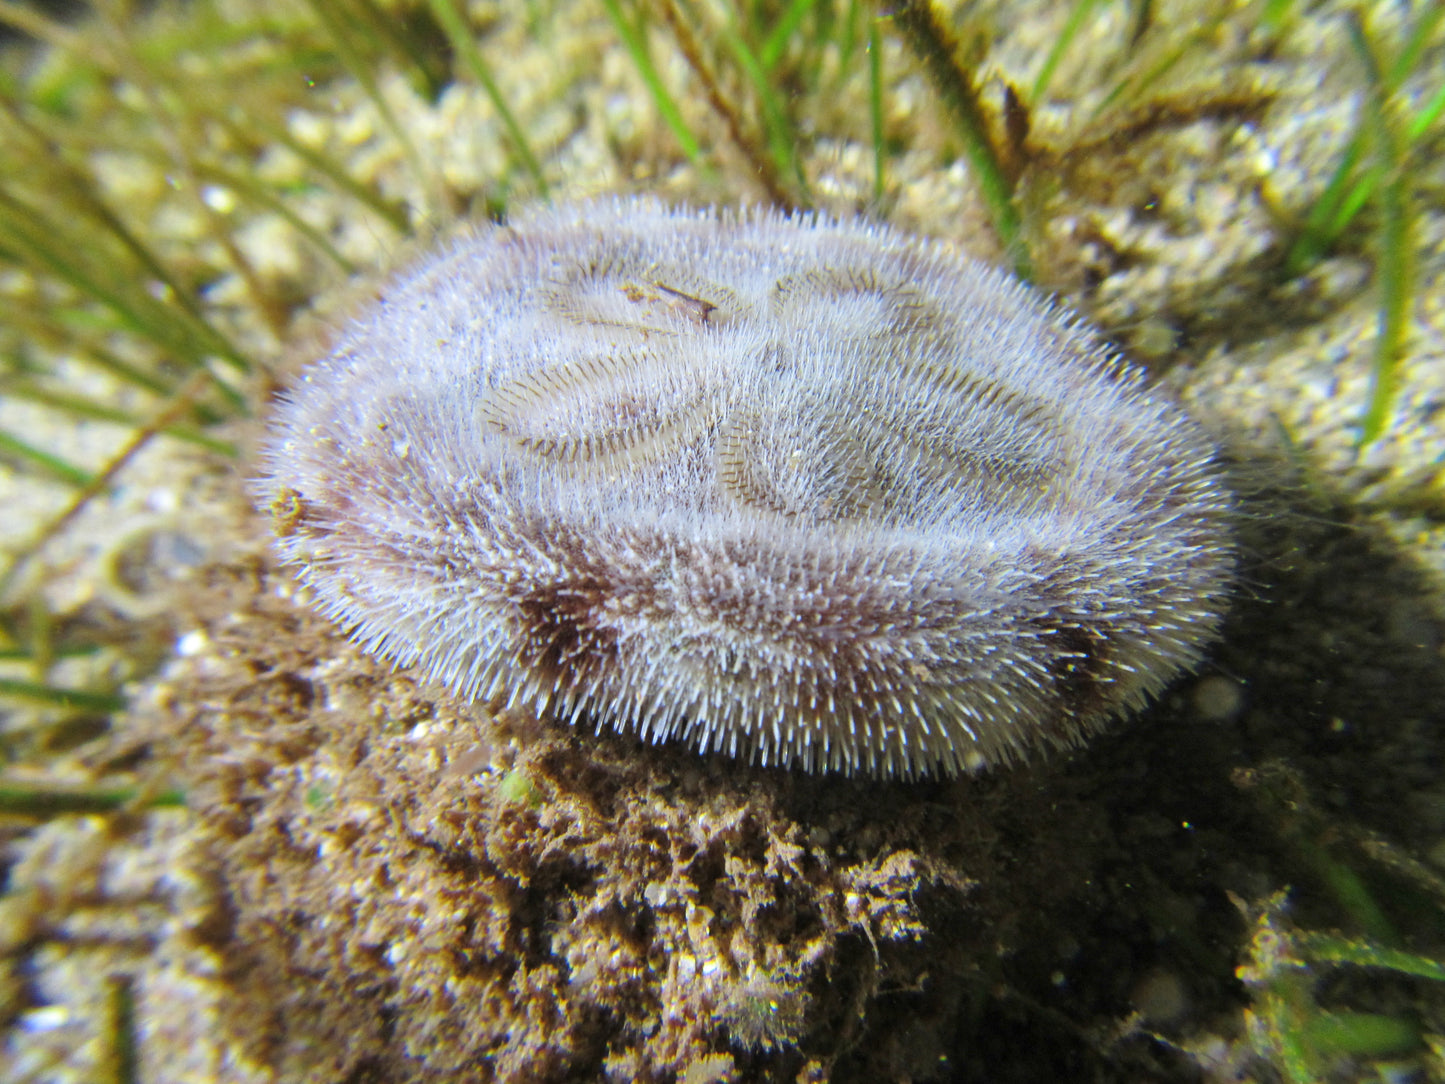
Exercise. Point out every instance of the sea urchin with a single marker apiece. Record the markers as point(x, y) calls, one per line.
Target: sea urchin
point(814, 493)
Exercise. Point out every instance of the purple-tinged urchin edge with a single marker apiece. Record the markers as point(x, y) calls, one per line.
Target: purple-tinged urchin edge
point(817, 494)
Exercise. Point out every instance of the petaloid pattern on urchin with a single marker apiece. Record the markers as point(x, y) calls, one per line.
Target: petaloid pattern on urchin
point(814, 493)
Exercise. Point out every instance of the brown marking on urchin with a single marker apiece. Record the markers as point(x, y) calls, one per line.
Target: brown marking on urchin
point(565, 644)
point(1079, 666)
point(569, 638)
point(817, 494)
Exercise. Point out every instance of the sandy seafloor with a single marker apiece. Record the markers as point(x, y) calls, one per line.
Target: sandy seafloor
point(371, 882)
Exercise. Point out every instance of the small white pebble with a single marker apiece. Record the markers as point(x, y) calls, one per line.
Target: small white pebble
point(192, 643)
point(48, 1018)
